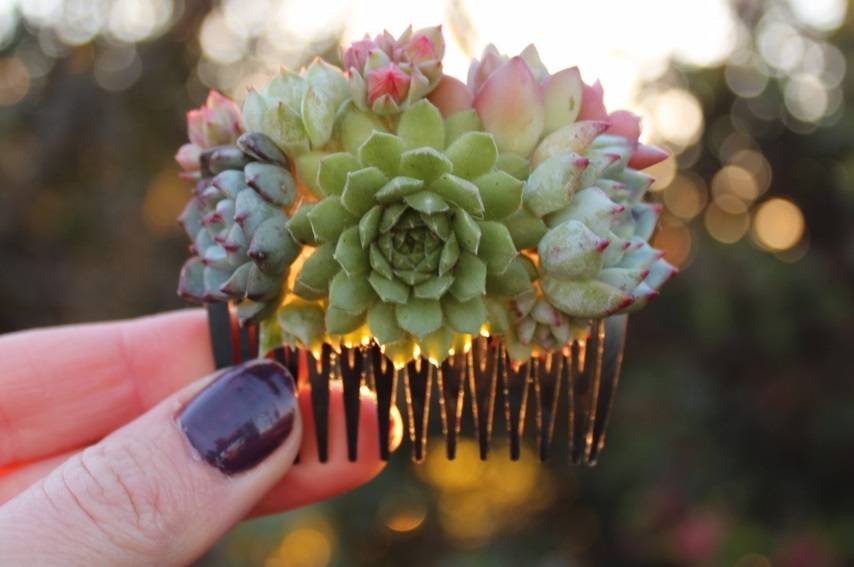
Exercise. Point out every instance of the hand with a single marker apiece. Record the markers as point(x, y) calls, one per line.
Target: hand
point(170, 469)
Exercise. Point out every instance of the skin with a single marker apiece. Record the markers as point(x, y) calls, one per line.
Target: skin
point(94, 470)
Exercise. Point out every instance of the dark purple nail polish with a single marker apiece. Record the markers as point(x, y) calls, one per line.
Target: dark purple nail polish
point(242, 416)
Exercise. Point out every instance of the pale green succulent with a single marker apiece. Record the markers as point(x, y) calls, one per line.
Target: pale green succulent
point(410, 233)
point(298, 111)
point(595, 260)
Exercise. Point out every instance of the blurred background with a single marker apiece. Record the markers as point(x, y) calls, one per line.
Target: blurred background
point(732, 441)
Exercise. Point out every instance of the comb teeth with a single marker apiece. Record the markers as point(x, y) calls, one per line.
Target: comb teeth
point(385, 386)
point(515, 388)
point(419, 381)
point(351, 378)
point(581, 381)
point(452, 384)
point(482, 361)
point(548, 379)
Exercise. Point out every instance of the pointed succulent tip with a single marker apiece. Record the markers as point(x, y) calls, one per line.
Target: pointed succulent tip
point(581, 162)
point(451, 96)
point(625, 303)
point(592, 103)
point(188, 156)
point(189, 175)
point(510, 105)
point(479, 71)
point(212, 218)
point(603, 244)
point(626, 124)
point(388, 80)
point(646, 155)
point(617, 209)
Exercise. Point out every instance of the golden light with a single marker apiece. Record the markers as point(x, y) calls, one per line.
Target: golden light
point(467, 516)
point(14, 80)
point(674, 238)
point(735, 180)
point(406, 520)
point(303, 547)
point(462, 473)
point(403, 513)
point(755, 163)
point(778, 224)
point(686, 196)
point(730, 204)
point(480, 498)
point(664, 173)
point(724, 226)
point(678, 117)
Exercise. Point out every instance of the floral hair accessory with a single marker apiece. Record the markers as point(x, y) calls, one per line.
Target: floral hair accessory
point(383, 207)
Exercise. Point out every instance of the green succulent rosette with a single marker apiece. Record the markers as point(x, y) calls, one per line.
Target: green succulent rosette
point(409, 233)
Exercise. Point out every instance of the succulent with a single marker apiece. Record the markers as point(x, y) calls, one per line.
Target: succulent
point(297, 110)
point(238, 228)
point(409, 235)
point(594, 259)
point(387, 75)
point(418, 210)
point(216, 122)
point(584, 185)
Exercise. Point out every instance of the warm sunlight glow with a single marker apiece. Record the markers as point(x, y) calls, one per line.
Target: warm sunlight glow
point(778, 224)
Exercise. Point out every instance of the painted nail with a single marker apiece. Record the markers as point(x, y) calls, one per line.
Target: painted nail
point(242, 416)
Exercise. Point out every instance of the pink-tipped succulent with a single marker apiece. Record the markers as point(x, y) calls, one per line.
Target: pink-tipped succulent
point(388, 74)
point(215, 123)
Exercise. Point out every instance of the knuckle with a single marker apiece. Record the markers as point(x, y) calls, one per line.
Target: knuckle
point(113, 486)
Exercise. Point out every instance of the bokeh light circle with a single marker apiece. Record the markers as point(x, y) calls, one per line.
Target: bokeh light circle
point(778, 224)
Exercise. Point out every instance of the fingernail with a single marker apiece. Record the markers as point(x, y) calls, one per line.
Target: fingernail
point(242, 416)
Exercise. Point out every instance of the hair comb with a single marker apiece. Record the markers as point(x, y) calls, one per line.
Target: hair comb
point(469, 251)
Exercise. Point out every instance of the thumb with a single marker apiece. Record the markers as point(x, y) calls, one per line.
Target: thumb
point(162, 489)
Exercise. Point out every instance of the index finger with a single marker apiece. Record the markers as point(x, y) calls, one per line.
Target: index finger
point(65, 387)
